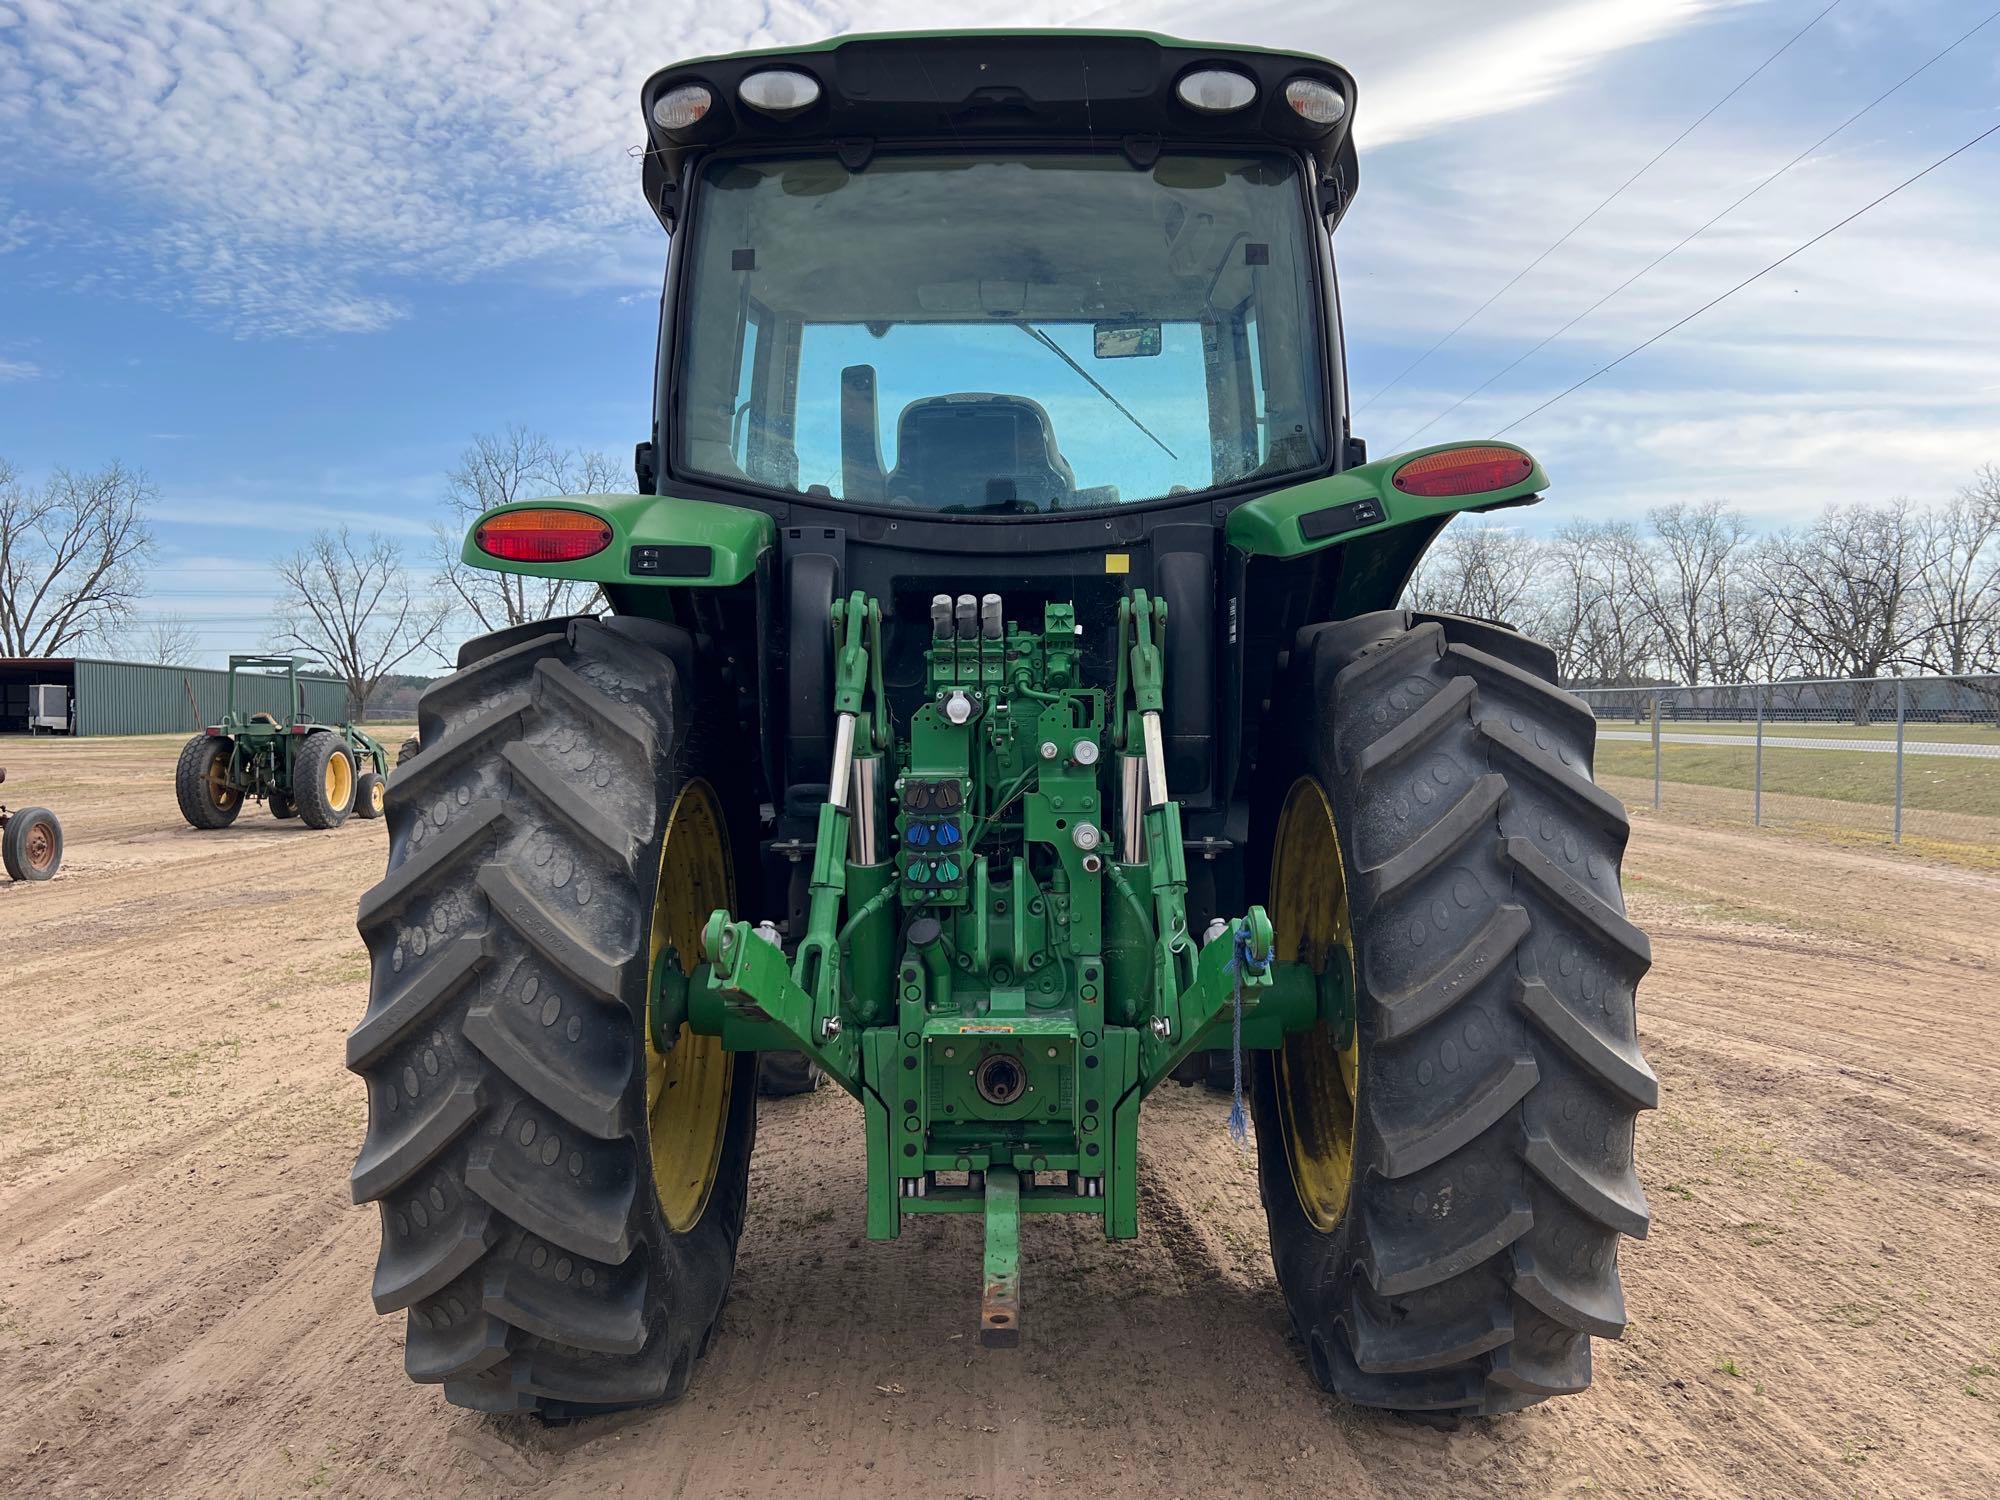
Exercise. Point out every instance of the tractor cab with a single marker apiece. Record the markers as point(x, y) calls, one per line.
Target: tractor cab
point(998, 276)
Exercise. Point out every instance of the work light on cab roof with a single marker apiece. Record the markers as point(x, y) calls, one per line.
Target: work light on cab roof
point(999, 705)
point(1215, 91)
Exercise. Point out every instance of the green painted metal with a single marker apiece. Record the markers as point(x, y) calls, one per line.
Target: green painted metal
point(1000, 1309)
point(1269, 526)
point(998, 994)
point(732, 535)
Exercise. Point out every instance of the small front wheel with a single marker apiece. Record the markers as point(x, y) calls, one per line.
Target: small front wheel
point(282, 806)
point(32, 847)
point(201, 783)
point(323, 781)
point(370, 795)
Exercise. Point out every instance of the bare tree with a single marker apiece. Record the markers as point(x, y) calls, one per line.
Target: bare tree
point(1480, 570)
point(1958, 599)
point(1694, 590)
point(354, 606)
point(1595, 609)
point(169, 639)
point(70, 555)
point(1862, 590)
point(498, 469)
point(1843, 590)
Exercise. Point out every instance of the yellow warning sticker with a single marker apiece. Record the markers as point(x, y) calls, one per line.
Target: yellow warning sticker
point(1117, 562)
point(985, 1030)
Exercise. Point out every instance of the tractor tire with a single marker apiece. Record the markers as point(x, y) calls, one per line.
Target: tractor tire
point(31, 846)
point(521, 1127)
point(370, 795)
point(282, 807)
point(323, 780)
point(1447, 1180)
point(409, 749)
point(783, 1074)
point(201, 786)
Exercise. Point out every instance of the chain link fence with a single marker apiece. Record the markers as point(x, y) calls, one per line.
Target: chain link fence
point(1913, 761)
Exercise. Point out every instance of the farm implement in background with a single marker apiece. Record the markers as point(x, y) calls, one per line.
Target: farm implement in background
point(318, 773)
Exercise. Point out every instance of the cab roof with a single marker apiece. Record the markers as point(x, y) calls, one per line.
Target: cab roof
point(968, 90)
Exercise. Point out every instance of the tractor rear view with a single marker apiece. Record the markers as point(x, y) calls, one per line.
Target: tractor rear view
point(317, 773)
point(1002, 704)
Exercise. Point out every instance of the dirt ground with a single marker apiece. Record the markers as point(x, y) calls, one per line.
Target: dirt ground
point(183, 1297)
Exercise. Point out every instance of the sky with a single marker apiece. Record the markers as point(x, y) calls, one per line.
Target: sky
point(289, 256)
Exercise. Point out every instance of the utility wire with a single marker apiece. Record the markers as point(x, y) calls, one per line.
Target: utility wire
point(1685, 239)
point(1754, 276)
point(1606, 203)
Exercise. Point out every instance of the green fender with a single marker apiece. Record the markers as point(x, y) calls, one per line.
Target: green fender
point(654, 539)
point(1379, 531)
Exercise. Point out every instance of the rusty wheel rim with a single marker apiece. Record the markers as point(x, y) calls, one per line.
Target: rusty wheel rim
point(41, 847)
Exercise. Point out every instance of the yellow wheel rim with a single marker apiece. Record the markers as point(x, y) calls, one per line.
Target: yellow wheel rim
point(220, 792)
point(1318, 1077)
point(687, 1087)
point(377, 797)
point(339, 780)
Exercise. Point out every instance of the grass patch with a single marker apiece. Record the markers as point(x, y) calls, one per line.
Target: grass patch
point(150, 1064)
point(1759, 1234)
point(1931, 783)
point(1856, 1314)
point(1881, 729)
point(1703, 902)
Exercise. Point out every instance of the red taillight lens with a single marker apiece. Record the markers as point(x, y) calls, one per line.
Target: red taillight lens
point(543, 536)
point(1463, 471)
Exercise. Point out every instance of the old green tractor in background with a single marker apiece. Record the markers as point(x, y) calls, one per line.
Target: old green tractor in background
point(1003, 701)
point(318, 773)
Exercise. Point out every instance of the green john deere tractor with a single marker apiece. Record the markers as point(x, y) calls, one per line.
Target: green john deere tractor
point(1002, 703)
point(317, 773)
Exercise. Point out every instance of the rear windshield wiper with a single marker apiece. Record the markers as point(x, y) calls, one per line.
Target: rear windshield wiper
point(1057, 350)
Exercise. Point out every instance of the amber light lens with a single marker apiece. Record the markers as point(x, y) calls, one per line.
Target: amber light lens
point(1463, 471)
point(543, 536)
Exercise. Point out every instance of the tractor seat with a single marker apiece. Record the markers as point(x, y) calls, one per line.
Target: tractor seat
point(977, 451)
point(261, 717)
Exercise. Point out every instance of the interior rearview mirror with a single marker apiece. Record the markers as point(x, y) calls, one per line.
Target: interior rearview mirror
point(1125, 340)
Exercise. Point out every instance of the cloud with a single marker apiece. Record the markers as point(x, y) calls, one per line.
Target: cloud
point(307, 167)
point(19, 369)
point(293, 167)
point(1423, 68)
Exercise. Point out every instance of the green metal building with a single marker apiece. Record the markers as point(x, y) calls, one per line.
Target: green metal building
point(82, 695)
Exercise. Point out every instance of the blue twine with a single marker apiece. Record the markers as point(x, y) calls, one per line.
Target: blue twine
point(1240, 959)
